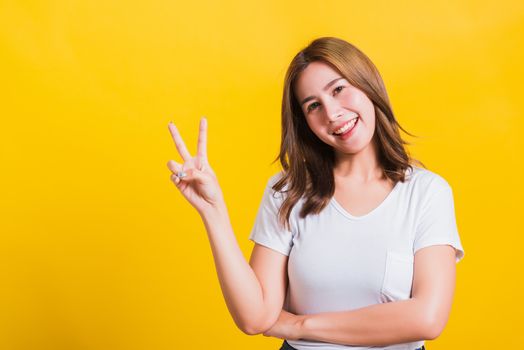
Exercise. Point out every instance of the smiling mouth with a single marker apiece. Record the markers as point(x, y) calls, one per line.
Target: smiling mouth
point(347, 127)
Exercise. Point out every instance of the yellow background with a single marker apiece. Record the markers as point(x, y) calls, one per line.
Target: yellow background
point(98, 248)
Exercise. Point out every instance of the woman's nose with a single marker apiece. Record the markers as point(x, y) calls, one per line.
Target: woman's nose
point(332, 109)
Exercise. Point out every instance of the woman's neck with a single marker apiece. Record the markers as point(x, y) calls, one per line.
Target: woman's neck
point(360, 167)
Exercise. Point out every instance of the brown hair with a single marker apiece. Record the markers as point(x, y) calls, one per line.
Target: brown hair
point(307, 161)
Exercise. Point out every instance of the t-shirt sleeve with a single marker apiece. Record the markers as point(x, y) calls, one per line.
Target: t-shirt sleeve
point(267, 231)
point(437, 224)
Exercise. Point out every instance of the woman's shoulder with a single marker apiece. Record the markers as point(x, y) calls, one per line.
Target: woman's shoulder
point(273, 179)
point(426, 180)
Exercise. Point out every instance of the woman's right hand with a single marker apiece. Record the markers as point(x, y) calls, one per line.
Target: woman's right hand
point(200, 185)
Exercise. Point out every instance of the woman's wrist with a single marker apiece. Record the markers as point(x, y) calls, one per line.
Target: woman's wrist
point(300, 327)
point(213, 209)
point(215, 213)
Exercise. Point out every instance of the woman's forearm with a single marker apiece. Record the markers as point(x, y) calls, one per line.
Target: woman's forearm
point(240, 286)
point(376, 325)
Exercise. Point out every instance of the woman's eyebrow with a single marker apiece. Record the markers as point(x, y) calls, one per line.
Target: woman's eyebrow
point(325, 88)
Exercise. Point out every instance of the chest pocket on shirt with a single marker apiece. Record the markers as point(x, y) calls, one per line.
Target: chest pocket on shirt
point(398, 276)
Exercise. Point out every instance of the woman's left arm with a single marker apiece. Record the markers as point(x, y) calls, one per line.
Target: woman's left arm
point(421, 317)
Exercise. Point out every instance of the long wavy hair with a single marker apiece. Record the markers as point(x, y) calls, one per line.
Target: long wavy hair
point(307, 161)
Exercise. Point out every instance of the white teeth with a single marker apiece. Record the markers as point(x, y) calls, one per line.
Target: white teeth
point(347, 126)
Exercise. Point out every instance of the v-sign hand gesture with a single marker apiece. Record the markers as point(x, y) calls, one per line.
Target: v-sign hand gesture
point(200, 185)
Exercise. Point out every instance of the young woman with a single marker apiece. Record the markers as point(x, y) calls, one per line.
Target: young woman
point(355, 245)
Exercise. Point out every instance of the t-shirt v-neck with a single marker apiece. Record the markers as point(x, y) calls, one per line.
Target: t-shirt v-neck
point(379, 207)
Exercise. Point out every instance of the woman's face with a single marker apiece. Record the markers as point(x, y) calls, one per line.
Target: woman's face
point(331, 104)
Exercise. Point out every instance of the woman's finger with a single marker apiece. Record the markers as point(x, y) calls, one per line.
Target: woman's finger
point(179, 143)
point(174, 166)
point(190, 175)
point(201, 165)
point(175, 179)
point(202, 142)
point(176, 169)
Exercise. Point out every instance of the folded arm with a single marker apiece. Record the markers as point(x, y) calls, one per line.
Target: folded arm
point(419, 318)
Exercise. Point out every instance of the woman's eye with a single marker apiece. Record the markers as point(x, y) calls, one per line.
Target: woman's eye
point(312, 106)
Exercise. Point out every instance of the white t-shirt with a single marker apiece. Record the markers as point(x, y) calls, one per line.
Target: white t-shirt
point(340, 262)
